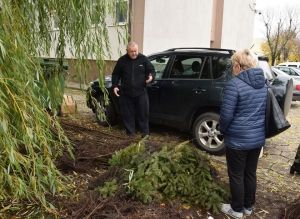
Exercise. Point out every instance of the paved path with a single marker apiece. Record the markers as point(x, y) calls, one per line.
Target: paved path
point(279, 152)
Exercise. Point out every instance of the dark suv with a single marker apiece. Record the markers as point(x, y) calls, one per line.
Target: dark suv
point(187, 93)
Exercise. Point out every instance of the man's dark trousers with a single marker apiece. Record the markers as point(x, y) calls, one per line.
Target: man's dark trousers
point(139, 105)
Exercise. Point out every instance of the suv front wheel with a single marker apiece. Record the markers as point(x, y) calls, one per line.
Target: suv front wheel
point(105, 114)
point(206, 136)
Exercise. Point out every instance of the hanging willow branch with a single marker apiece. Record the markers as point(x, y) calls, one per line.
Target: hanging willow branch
point(31, 139)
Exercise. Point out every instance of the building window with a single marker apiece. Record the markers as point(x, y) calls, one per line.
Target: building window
point(95, 15)
point(55, 20)
point(121, 11)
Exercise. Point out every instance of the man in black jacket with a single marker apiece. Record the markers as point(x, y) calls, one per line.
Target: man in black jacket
point(135, 71)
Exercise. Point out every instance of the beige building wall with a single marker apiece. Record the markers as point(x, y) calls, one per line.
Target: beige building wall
point(238, 24)
point(157, 25)
point(138, 23)
point(164, 24)
point(217, 24)
point(176, 23)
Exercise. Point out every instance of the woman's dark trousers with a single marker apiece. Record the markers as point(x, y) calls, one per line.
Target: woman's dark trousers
point(242, 165)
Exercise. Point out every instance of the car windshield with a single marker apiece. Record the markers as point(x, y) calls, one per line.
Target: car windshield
point(278, 71)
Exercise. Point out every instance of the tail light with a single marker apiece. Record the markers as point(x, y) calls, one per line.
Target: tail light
point(298, 87)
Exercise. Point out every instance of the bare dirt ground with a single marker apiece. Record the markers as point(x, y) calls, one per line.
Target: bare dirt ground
point(94, 145)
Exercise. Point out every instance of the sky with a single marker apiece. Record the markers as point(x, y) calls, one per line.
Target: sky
point(262, 5)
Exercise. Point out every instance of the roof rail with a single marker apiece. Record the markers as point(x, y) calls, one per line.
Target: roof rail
point(263, 58)
point(230, 51)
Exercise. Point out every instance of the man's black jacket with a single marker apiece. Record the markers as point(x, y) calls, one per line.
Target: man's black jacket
point(133, 74)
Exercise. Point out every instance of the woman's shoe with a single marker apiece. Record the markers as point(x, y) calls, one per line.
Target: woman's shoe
point(226, 208)
point(247, 211)
point(295, 167)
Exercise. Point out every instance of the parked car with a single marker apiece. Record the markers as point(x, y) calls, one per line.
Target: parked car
point(296, 83)
point(291, 71)
point(190, 100)
point(290, 64)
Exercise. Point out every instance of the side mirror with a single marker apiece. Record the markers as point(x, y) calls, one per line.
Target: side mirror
point(160, 60)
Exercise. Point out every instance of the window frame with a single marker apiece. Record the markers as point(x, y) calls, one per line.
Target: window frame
point(123, 21)
point(160, 74)
point(54, 20)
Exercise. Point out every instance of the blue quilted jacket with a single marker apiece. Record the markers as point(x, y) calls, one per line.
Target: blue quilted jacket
point(242, 117)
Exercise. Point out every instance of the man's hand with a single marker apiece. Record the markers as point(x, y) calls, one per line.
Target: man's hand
point(175, 71)
point(149, 79)
point(116, 90)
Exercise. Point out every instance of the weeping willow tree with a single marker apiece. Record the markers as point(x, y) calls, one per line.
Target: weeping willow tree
point(30, 138)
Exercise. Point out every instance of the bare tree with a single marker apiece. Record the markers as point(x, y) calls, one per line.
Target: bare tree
point(281, 27)
point(294, 56)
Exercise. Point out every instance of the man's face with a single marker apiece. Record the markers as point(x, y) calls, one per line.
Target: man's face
point(132, 51)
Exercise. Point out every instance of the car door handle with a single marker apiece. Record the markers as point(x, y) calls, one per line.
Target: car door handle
point(199, 90)
point(154, 87)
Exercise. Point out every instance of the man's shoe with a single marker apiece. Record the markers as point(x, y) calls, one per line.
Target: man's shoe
point(247, 211)
point(146, 138)
point(131, 135)
point(295, 167)
point(226, 208)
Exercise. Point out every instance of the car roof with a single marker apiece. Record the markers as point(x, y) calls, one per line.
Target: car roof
point(280, 66)
point(196, 50)
point(284, 63)
point(203, 50)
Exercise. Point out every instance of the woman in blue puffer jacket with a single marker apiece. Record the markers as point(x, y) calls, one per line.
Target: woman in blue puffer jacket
point(242, 122)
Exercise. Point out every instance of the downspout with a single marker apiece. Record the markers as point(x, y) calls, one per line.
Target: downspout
point(129, 20)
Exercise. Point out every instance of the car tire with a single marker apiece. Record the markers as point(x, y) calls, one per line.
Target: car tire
point(206, 136)
point(106, 115)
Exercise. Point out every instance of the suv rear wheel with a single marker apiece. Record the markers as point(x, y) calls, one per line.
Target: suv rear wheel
point(105, 114)
point(206, 136)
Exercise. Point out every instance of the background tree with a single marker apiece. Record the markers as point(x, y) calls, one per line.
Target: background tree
point(281, 27)
point(30, 138)
point(266, 50)
point(291, 52)
point(294, 50)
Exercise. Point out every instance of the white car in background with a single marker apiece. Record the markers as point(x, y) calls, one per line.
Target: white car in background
point(291, 71)
point(296, 83)
point(290, 64)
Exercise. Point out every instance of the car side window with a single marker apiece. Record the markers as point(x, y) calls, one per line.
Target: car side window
point(220, 65)
point(159, 63)
point(206, 74)
point(293, 72)
point(186, 67)
point(285, 70)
